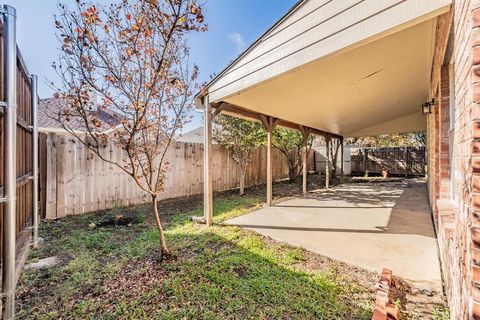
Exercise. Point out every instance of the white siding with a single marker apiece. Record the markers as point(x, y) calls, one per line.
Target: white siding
point(319, 28)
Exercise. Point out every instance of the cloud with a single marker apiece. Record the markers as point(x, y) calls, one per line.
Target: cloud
point(237, 39)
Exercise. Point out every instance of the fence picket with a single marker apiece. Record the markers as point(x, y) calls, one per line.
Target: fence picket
point(78, 181)
point(399, 161)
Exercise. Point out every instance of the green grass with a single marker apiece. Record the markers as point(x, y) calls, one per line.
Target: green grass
point(222, 272)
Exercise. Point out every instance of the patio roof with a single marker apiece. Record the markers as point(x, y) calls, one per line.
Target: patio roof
point(336, 68)
point(350, 68)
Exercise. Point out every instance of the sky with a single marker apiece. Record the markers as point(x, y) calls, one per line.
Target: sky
point(233, 26)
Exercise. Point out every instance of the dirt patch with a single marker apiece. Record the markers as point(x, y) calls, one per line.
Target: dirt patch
point(126, 217)
point(133, 281)
point(414, 303)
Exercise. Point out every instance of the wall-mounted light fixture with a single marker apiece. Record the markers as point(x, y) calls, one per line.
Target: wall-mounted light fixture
point(427, 107)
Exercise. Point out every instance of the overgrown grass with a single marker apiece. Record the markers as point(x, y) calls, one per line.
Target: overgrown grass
point(223, 272)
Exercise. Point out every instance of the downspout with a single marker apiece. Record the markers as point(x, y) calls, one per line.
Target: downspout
point(203, 106)
point(34, 88)
point(10, 184)
point(207, 164)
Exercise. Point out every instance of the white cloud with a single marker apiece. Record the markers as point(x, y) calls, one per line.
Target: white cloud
point(237, 39)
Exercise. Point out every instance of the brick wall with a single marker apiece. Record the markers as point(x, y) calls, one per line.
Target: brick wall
point(473, 147)
point(444, 124)
point(456, 219)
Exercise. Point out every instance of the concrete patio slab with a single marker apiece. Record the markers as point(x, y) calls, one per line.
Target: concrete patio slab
point(371, 226)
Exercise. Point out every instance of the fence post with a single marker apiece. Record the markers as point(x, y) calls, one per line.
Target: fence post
point(365, 157)
point(406, 161)
point(34, 82)
point(10, 118)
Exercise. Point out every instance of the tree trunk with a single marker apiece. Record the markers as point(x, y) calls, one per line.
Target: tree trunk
point(333, 157)
point(163, 243)
point(242, 180)
point(292, 174)
point(334, 147)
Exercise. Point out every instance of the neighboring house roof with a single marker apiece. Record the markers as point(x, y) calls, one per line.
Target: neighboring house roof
point(194, 136)
point(48, 110)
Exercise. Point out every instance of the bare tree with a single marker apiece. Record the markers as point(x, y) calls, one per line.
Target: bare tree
point(131, 57)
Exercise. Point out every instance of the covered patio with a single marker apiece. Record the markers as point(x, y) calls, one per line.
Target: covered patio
point(341, 69)
point(368, 225)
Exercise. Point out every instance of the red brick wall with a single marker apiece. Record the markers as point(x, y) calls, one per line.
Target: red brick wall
point(456, 220)
point(474, 95)
point(444, 123)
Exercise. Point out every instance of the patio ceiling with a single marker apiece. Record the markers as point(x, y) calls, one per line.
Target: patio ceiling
point(347, 67)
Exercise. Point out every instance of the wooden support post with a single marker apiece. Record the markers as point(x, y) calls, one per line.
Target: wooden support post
point(327, 162)
point(269, 123)
point(406, 162)
point(305, 133)
point(341, 159)
point(304, 170)
point(269, 169)
point(207, 165)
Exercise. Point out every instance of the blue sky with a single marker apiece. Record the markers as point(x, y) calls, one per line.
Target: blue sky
point(233, 25)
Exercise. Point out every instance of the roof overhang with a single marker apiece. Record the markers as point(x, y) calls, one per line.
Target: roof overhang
point(348, 67)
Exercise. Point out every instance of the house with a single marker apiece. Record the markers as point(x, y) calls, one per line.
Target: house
point(50, 108)
point(355, 68)
point(193, 136)
point(196, 135)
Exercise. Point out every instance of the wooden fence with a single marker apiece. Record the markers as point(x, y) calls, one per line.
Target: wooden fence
point(398, 161)
point(24, 164)
point(76, 181)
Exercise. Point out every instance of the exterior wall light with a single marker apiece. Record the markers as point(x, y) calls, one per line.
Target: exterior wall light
point(427, 107)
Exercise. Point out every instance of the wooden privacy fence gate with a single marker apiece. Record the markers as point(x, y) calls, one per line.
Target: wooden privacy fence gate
point(76, 181)
point(18, 133)
point(398, 161)
point(24, 163)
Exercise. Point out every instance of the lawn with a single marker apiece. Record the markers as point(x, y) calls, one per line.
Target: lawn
point(110, 269)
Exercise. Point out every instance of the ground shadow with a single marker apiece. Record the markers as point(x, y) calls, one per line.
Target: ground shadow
point(410, 212)
point(211, 278)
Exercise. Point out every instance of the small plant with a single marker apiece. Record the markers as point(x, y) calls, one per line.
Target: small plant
point(398, 304)
point(441, 314)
